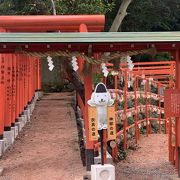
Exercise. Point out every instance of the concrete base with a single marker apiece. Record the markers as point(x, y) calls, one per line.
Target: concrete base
point(27, 114)
point(40, 94)
point(17, 128)
point(32, 106)
point(9, 139)
point(13, 133)
point(5, 144)
point(24, 119)
point(29, 109)
point(1, 147)
point(19, 124)
point(105, 172)
point(97, 160)
point(36, 95)
point(87, 176)
point(9, 136)
point(21, 121)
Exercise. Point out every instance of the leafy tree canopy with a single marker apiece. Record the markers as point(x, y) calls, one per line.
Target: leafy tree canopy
point(62, 6)
point(148, 15)
point(142, 15)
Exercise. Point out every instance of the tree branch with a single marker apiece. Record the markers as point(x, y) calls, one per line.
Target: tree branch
point(53, 6)
point(120, 15)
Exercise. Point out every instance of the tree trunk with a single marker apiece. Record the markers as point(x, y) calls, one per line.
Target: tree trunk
point(74, 79)
point(120, 15)
point(53, 7)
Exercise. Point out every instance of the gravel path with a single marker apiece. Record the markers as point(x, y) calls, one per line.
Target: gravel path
point(47, 148)
point(149, 162)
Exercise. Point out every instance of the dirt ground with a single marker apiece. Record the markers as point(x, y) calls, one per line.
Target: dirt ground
point(47, 148)
point(149, 162)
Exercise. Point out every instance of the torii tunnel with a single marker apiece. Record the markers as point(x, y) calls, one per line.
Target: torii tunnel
point(21, 74)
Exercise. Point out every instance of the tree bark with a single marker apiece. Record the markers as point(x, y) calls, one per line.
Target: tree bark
point(53, 7)
point(75, 80)
point(120, 15)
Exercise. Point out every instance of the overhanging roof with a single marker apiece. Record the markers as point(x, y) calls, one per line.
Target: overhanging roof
point(98, 37)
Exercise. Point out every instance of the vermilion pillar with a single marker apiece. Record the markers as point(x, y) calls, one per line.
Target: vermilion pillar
point(2, 91)
point(39, 74)
point(88, 92)
point(136, 108)
point(17, 88)
point(20, 85)
point(8, 100)
point(2, 94)
point(26, 80)
point(13, 90)
point(125, 109)
point(177, 123)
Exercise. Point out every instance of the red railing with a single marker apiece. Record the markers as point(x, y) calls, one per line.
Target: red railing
point(142, 89)
point(147, 98)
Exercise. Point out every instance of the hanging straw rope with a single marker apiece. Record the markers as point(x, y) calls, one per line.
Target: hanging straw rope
point(91, 60)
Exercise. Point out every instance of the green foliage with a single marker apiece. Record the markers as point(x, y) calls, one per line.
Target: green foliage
point(21, 7)
point(154, 102)
point(96, 78)
point(152, 15)
point(148, 15)
point(84, 6)
point(141, 115)
point(154, 89)
point(119, 127)
point(35, 7)
point(130, 120)
point(163, 128)
point(130, 103)
point(52, 88)
point(142, 57)
point(163, 56)
point(141, 101)
point(143, 130)
point(122, 154)
point(154, 115)
point(120, 105)
point(155, 126)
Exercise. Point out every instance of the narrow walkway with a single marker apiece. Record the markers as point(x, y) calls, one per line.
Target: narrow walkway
point(47, 148)
point(149, 162)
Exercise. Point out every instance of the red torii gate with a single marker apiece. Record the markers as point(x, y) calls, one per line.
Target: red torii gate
point(100, 43)
point(13, 104)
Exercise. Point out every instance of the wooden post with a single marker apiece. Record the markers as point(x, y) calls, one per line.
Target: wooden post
point(88, 92)
point(17, 88)
point(136, 108)
point(147, 113)
point(13, 90)
point(170, 141)
point(177, 122)
point(137, 88)
point(39, 75)
point(2, 91)
point(89, 144)
point(2, 95)
point(116, 87)
point(159, 107)
point(125, 109)
point(8, 74)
